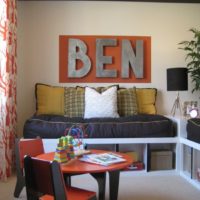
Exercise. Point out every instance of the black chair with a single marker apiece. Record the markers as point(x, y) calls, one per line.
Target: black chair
point(45, 181)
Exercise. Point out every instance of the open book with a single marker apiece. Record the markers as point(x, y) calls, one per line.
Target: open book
point(103, 158)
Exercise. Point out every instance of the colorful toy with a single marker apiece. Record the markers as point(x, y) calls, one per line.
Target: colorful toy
point(77, 132)
point(60, 154)
point(70, 145)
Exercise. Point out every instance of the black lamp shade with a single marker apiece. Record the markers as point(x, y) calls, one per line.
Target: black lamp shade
point(177, 79)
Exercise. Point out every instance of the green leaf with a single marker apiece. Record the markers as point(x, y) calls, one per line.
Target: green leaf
point(192, 49)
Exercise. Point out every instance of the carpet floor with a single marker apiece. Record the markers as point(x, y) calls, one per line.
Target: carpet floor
point(139, 187)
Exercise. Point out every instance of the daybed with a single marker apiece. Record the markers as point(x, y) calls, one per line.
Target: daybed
point(58, 108)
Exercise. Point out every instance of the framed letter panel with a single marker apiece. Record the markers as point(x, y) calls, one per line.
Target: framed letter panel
point(104, 59)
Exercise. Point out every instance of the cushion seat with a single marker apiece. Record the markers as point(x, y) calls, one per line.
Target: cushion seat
point(135, 126)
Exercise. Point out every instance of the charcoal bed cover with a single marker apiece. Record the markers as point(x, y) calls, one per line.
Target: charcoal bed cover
point(193, 129)
point(136, 126)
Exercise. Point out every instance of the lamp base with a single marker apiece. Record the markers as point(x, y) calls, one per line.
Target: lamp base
point(176, 105)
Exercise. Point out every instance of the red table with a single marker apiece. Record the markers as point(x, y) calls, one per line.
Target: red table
point(97, 171)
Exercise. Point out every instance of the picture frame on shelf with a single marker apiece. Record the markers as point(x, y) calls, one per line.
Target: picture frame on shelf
point(187, 107)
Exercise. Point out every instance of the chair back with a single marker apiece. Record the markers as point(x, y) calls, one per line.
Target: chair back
point(43, 177)
point(31, 147)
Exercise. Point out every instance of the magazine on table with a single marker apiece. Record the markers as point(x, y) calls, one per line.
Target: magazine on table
point(103, 158)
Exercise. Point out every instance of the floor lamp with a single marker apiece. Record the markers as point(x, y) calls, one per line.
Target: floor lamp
point(177, 80)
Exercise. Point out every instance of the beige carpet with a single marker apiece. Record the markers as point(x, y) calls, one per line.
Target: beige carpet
point(142, 187)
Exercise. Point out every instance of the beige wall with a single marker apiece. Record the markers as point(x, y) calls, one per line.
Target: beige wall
point(41, 23)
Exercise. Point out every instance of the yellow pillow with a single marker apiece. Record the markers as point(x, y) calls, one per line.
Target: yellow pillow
point(146, 99)
point(49, 100)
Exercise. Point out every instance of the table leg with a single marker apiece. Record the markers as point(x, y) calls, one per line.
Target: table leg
point(114, 184)
point(101, 180)
point(67, 178)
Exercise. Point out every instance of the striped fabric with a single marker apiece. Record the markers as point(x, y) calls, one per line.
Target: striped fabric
point(74, 101)
point(127, 102)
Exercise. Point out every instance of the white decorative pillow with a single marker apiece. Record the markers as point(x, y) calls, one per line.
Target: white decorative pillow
point(101, 104)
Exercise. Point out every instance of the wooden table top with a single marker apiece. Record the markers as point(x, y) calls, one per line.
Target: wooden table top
point(75, 166)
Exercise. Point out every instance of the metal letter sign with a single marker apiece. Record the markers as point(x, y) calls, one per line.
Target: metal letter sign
point(135, 59)
point(75, 44)
point(101, 59)
point(104, 59)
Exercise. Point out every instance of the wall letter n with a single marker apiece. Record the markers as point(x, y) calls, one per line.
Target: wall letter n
point(73, 55)
point(136, 60)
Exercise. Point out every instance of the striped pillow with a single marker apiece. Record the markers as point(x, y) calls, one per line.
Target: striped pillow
point(74, 101)
point(127, 101)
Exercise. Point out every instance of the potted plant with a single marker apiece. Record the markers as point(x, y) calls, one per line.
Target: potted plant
point(192, 49)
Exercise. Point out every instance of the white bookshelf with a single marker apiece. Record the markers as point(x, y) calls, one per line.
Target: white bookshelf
point(139, 145)
point(188, 154)
point(178, 144)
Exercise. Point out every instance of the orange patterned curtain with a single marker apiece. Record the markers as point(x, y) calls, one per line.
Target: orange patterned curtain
point(7, 85)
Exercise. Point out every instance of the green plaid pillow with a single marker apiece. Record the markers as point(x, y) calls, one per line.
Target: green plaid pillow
point(127, 102)
point(74, 101)
point(103, 89)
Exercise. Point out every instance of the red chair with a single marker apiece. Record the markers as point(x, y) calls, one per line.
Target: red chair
point(45, 181)
point(32, 147)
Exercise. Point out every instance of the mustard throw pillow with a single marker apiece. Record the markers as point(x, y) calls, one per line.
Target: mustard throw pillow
point(146, 99)
point(49, 99)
